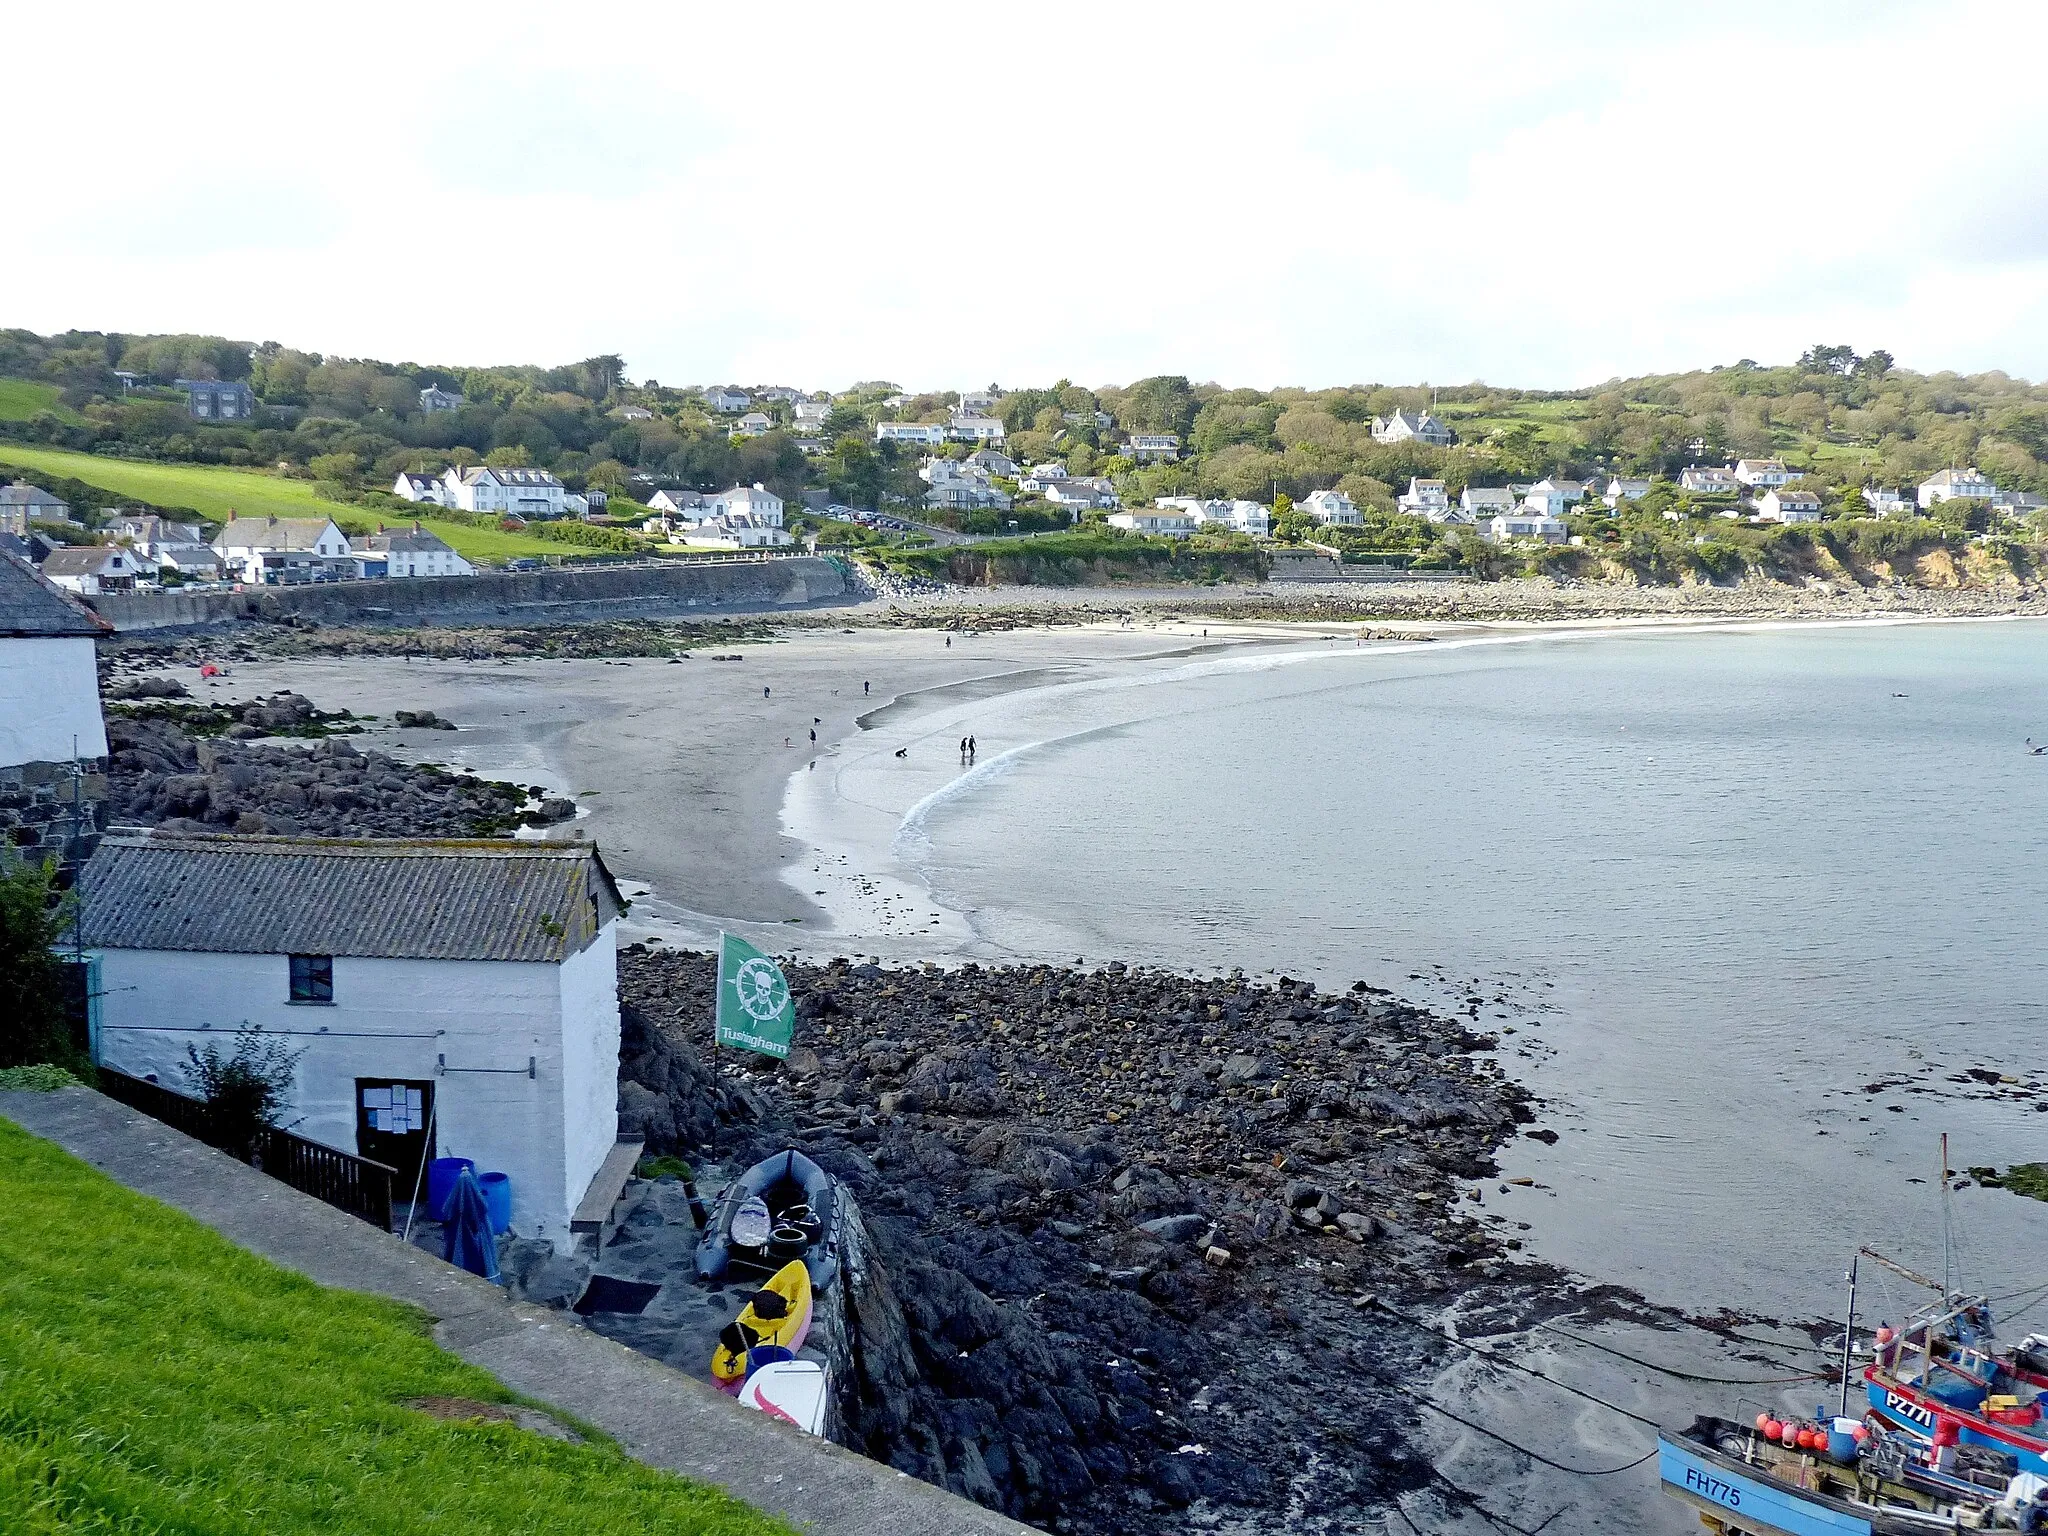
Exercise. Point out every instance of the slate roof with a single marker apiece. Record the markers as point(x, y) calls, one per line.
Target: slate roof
point(33, 607)
point(401, 540)
point(270, 533)
point(22, 494)
point(396, 898)
point(80, 560)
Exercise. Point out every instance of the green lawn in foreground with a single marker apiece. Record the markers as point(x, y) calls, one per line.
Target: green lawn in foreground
point(213, 491)
point(22, 399)
point(154, 1378)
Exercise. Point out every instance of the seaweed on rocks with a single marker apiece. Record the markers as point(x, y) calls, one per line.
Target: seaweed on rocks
point(1127, 1223)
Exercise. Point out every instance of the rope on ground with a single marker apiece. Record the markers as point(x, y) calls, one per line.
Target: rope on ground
point(1676, 1374)
point(1467, 1499)
point(1514, 1365)
point(1479, 1429)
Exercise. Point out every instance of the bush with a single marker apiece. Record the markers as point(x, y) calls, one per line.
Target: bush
point(245, 1092)
point(615, 539)
point(33, 1028)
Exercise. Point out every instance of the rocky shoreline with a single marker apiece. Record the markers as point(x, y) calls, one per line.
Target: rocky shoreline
point(1136, 1222)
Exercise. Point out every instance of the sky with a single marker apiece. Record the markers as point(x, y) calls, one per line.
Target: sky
point(950, 196)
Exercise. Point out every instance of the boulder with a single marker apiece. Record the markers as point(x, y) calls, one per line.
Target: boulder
point(1174, 1229)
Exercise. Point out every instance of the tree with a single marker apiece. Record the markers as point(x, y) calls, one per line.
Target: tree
point(1875, 365)
point(1820, 358)
point(32, 1022)
point(1853, 504)
point(343, 469)
point(245, 1092)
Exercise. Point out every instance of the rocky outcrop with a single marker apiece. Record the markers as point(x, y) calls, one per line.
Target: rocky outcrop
point(1123, 1225)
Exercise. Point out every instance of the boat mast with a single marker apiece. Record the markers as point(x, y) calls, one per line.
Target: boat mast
point(1848, 1335)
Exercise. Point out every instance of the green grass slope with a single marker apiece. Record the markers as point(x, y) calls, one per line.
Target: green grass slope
point(156, 1379)
point(25, 399)
point(214, 492)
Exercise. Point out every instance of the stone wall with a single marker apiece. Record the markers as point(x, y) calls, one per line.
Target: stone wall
point(562, 594)
point(38, 817)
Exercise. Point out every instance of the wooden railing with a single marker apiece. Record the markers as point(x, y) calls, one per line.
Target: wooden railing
point(347, 1182)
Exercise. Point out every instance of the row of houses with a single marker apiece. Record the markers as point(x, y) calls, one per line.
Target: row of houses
point(259, 551)
point(534, 495)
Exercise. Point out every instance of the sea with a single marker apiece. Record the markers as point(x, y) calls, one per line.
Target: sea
point(1755, 910)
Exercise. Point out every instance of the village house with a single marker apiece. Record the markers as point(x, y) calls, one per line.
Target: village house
point(930, 434)
point(1526, 522)
point(810, 414)
point(979, 402)
point(49, 718)
point(634, 413)
point(1080, 495)
point(1424, 498)
point(1332, 509)
point(1230, 516)
point(754, 424)
point(1153, 447)
point(450, 998)
point(1788, 504)
point(22, 504)
point(968, 427)
point(1039, 476)
point(1160, 522)
point(1887, 503)
point(1762, 474)
point(994, 463)
point(91, 569)
point(179, 547)
point(1620, 490)
point(962, 486)
point(273, 550)
point(533, 494)
point(433, 398)
point(1706, 480)
point(1553, 497)
point(1956, 485)
point(408, 552)
point(679, 504)
point(1402, 426)
point(727, 402)
point(1482, 501)
point(218, 399)
point(755, 501)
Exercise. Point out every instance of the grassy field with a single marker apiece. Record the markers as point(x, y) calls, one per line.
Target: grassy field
point(213, 492)
point(22, 399)
point(156, 1379)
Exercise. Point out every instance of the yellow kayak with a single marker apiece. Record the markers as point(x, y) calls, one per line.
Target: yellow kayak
point(779, 1314)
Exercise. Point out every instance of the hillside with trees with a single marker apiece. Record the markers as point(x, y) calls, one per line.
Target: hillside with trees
point(1841, 419)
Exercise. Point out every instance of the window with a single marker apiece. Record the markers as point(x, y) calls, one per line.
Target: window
point(312, 978)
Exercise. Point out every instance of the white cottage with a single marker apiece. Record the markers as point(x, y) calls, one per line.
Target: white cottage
point(49, 713)
point(445, 998)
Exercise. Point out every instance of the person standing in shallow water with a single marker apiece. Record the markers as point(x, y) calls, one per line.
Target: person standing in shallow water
point(970, 749)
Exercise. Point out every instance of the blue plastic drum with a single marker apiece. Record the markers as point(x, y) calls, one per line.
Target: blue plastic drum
point(497, 1188)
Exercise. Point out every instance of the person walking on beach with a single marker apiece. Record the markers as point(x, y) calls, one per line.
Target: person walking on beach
point(949, 642)
point(764, 691)
point(970, 749)
point(814, 735)
point(863, 690)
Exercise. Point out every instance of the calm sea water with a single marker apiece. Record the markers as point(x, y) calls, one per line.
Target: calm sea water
point(1717, 883)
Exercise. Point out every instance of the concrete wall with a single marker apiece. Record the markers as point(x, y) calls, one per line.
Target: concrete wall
point(590, 1061)
point(397, 1019)
point(49, 701)
point(564, 594)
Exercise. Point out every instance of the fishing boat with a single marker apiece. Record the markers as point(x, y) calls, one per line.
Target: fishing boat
point(1938, 1368)
point(1840, 1477)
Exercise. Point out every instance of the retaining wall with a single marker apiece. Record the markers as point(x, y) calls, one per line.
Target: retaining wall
point(559, 595)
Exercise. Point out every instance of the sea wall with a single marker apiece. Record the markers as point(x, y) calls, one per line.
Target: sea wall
point(560, 595)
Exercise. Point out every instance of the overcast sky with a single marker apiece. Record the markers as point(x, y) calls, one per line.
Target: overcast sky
point(1540, 195)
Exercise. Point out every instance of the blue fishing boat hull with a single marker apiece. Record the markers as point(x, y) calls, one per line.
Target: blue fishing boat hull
point(1751, 1502)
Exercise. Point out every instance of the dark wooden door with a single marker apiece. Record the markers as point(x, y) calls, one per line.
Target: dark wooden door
point(394, 1126)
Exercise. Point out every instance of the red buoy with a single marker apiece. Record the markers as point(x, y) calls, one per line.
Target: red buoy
point(1763, 1419)
point(1772, 1428)
point(1791, 1435)
point(1805, 1438)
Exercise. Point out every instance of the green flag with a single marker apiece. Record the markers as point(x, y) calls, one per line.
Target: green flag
point(755, 1011)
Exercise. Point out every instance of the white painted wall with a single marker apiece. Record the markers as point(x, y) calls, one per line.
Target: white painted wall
point(590, 1061)
point(394, 1018)
point(49, 696)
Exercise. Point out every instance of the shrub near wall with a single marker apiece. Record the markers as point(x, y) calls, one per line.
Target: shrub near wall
point(590, 537)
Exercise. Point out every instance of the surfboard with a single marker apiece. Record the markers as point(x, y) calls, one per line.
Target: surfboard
point(790, 1390)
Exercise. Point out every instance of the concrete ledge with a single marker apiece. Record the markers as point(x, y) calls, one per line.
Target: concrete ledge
point(594, 1210)
point(660, 1416)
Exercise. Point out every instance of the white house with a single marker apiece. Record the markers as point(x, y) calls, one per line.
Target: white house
point(523, 492)
point(49, 712)
point(1788, 504)
point(930, 434)
point(452, 998)
point(1620, 490)
point(755, 501)
point(727, 402)
point(436, 399)
point(811, 414)
point(965, 486)
point(968, 427)
point(1080, 495)
point(90, 569)
point(1332, 509)
point(1148, 447)
point(1404, 425)
point(754, 424)
point(408, 552)
point(1526, 522)
point(1424, 498)
point(635, 413)
point(1235, 516)
point(1706, 480)
point(1762, 474)
point(1553, 497)
point(1162, 522)
point(283, 549)
point(181, 547)
point(1039, 476)
point(412, 485)
point(1955, 485)
point(1884, 503)
point(995, 463)
point(1482, 501)
point(979, 402)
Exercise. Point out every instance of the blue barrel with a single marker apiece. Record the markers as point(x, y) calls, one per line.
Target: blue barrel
point(442, 1173)
point(1842, 1440)
point(497, 1188)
